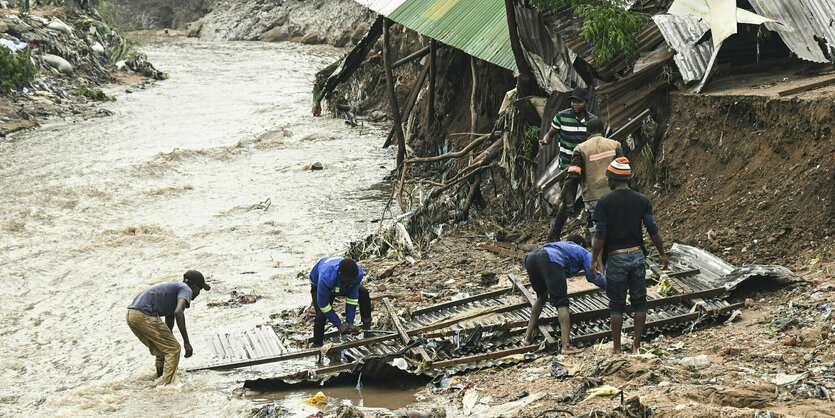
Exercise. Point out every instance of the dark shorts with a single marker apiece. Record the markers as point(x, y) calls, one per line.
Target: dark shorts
point(626, 272)
point(547, 277)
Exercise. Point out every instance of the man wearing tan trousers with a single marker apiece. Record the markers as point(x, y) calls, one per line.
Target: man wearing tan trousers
point(168, 300)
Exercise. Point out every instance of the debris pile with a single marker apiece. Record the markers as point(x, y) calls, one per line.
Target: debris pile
point(75, 52)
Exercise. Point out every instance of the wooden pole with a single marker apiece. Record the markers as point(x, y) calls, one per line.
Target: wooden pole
point(413, 56)
point(395, 111)
point(473, 113)
point(430, 105)
point(410, 101)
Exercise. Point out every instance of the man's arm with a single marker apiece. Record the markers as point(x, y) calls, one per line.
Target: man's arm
point(180, 316)
point(323, 299)
point(592, 274)
point(169, 321)
point(596, 248)
point(547, 138)
point(652, 230)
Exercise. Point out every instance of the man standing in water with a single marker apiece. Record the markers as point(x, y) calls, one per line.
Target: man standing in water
point(548, 267)
point(620, 238)
point(168, 300)
point(570, 127)
point(332, 277)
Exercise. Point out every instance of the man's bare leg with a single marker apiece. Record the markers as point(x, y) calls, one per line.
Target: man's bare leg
point(565, 331)
point(536, 309)
point(617, 326)
point(640, 319)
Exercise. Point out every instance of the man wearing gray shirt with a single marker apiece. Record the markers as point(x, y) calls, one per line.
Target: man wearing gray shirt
point(168, 300)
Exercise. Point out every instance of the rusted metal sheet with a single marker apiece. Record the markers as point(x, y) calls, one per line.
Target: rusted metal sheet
point(799, 22)
point(569, 28)
point(623, 100)
point(683, 34)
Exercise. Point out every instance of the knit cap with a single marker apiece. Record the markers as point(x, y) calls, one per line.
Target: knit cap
point(619, 170)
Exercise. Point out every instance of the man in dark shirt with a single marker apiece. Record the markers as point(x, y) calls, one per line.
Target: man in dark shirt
point(548, 267)
point(168, 300)
point(619, 236)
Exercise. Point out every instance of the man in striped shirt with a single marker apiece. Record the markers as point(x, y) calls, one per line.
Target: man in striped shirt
point(570, 127)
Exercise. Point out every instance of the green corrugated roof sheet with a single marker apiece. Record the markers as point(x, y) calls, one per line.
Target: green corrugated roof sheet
point(477, 27)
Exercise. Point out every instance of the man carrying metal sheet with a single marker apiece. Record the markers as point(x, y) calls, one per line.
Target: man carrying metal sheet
point(332, 277)
point(570, 127)
point(548, 267)
point(169, 300)
point(619, 237)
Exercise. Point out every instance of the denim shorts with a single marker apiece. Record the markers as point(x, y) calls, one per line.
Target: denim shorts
point(626, 272)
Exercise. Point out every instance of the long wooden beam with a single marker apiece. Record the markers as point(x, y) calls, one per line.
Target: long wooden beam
point(404, 336)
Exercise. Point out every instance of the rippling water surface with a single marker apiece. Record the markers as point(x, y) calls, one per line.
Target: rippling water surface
point(93, 211)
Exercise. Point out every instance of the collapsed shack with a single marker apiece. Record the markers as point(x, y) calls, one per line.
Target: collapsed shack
point(485, 330)
point(461, 158)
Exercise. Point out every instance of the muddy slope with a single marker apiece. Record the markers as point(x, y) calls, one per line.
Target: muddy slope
point(750, 178)
point(316, 21)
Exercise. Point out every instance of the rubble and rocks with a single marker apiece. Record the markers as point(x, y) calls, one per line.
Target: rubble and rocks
point(74, 51)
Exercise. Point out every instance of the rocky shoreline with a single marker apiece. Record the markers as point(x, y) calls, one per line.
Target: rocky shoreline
point(75, 53)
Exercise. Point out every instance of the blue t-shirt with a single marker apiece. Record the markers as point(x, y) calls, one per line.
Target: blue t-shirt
point(161, 299)
point(574, 258)
point(325, 278)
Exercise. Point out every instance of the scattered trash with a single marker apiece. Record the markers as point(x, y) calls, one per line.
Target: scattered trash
point(318, 399)
point(782, 379)
point(237, 299)
point(400, 363)
point(317, 166)
point(697, 361)
point(460, 295)
point(604, 390)
point(519, 396)
point(781, 324)
point(558, 370)
point(734, 316)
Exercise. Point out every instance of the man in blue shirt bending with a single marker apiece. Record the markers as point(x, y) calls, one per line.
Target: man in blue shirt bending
point(548, 267)
point(332, 277)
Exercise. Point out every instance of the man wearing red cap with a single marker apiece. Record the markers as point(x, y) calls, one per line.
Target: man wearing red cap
point(168, 300)
point(619, 216)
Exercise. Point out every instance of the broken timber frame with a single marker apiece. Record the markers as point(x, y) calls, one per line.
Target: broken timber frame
point(395, 111)
point(402, 332)
point(544, 329)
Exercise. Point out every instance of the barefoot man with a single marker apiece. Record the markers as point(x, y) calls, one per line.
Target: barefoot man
point(548, 267)
point(619, 236)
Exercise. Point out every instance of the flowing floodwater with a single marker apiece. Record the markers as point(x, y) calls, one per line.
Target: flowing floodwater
point(94, 211)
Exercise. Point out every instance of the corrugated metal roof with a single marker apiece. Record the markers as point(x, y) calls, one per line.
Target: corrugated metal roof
point(801, 21)
point(682, 34)
point(477, 27)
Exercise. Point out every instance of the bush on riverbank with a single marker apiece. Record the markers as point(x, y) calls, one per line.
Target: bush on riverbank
point(16, 68)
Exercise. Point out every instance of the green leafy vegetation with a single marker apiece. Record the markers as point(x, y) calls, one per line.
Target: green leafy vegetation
point(608, 26)
point(95, 94)
point(112, 14)
point(16, 69)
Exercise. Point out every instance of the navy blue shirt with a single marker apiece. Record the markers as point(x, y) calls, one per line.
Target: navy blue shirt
point(574, 258)
point(325, 278)
point(161, 299)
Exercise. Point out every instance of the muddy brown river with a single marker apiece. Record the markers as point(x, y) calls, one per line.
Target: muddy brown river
point(94, 210)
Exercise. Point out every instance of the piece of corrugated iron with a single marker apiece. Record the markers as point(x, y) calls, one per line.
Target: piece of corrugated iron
point(683, 34)
point(800, 21)
point(477, 27)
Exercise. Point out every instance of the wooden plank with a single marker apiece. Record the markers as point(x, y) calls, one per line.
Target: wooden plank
point(807, 87)
point(531, 300)
point(486, 356)
point(417, 54)
point(503, 251)
point(404, 336)
point(630, 126)
point(474, 298)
